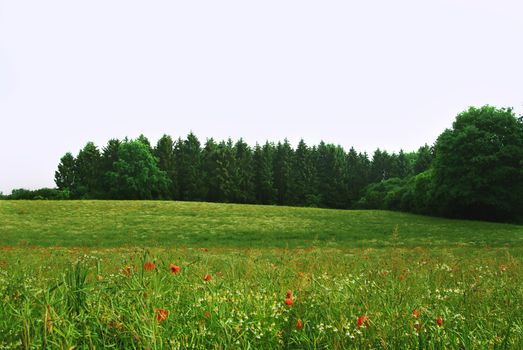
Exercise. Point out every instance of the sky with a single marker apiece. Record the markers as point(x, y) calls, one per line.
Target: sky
point(368, 74)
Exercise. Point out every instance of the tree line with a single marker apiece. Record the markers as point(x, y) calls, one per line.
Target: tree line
point(230, 172)
point(474, 170)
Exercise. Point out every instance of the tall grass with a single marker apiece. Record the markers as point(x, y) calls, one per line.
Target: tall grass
point(105, 298)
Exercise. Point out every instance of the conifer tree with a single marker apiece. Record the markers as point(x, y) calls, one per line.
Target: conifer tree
point(64, 177)
point(164, 152)
point(263, 174)
point(282, 172)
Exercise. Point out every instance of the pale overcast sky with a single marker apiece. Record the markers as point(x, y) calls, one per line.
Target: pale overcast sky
point(368, 74)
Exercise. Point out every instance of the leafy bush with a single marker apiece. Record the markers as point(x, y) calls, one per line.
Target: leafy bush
point(42, 193)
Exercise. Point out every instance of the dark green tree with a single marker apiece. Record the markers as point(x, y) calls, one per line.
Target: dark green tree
point(64, 177)
point(304, 190)
point(283, 158)
point(381, 166)
point(190, 171)
point(109, 157)
point(400, 166)
point(244, 173)
point(424, 158)
point(332, 176)
point(263, 174)
point(164, 153)
point(211, 168)
point(88, 173)
point(477, 170)
point(358, 167)
point(136, 174)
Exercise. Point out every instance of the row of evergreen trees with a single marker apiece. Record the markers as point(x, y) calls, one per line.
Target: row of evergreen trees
point(233, 172)
point(474, 170)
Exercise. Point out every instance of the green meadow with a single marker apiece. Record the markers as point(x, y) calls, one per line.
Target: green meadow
point(175, 275)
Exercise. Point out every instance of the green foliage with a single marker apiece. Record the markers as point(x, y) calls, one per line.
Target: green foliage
point(332, 176)
point(87, 177)
point(477, 169)
point(189, 160)
point(164, 152)
point(304, 183)
point(110, 155)
point(358, 169)
point(244, 160)
point(136, 174)
point(64, 177)
point(41, 193)
point(382, 195)
point(423, 159)
point(263, 174)
point(283, 158)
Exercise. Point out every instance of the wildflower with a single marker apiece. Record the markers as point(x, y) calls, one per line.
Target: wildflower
point(207, 278)
point(416, 313)
point(439, 320)
point(161, 314)
point(289, 294)
point(175, 269)
point(362, 320)
point(149, 266)
point(299, 325)
point(503, 268)
point(289, 301)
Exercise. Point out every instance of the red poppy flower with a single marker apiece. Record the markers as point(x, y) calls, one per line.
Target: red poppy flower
point(289, 301)
point(289, 294)
point(161, 314)
point(149, 266)
point(175, 269)
point(362, 320)
point(416, 313)
point(299, 325)
point(207, 278)
point(439, 320)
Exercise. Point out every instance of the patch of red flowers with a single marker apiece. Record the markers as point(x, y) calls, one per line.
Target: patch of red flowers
point(288, 298)
point(439, 320)
point(362, 320)
point(299, 325)
point(161, 314)
point(207, 278)
point(416, 313)
point(149, 266)
point(175, 269)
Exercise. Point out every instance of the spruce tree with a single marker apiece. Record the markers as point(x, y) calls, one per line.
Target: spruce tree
point(64, 177)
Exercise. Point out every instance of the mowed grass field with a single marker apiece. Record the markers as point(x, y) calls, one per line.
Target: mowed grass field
point(172, 275)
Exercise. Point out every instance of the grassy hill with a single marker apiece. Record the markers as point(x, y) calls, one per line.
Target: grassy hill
point(186, 224)
point(160, 275)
